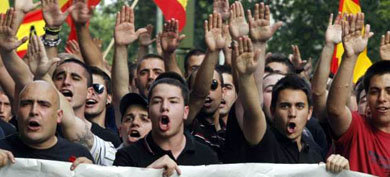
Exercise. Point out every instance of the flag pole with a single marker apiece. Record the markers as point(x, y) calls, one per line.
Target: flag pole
point(135, 2)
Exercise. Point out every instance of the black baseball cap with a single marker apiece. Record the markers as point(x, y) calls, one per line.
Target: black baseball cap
point(132, 99)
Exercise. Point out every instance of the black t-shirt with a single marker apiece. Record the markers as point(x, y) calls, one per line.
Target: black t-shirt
point(106, 134)
point(144, 152)
point(318, 133)
point(8, 128)
point(277, 148)
point(63, 150)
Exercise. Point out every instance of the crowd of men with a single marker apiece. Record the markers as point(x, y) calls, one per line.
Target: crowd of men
point(257, 107)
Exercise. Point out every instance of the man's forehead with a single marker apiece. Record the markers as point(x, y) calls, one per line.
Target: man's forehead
point(70, 67)
point(292, 96)
point(166, 91)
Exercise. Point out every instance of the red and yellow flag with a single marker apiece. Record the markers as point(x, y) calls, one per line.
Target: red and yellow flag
point(363, 62)
point(174, 9)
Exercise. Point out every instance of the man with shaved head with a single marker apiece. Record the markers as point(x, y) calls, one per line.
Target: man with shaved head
point(37, 116)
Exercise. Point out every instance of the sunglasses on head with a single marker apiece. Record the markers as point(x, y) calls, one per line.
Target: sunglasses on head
point(214, 85)
point(99, 88)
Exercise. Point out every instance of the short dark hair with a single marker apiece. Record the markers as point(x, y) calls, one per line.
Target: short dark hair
point(378, 68)
point(225, 69)
point(280, 58)
point(73, 60)
point(291, 81)
point(193, 52)
point(171, 78)
point(146, 57)
point(104, 75)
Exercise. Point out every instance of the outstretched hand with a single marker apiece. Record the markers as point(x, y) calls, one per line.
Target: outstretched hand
point(334, 31)
point(81, 13)
point(384, 49)
point(145, 38)
point(8, 29)
point(52, 13)
point(37, 59)
point(125, 33)
point(353, 40)
point(237, 24)
point(170, 38)
point(245, 59)
point(259, 24)
point(222, 7)
point(214, 36)
point(25, 6)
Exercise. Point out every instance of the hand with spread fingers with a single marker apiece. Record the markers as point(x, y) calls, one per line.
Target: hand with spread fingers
point(8, 28)
point(384, 49)
point(334, 31)
point(52, 13)
point(6, 157)
point(260, 28)
point(78, 161)
point(214, 36)
point(237, 23)
point(81, 13)
point(245, 59)
point(166, 163)
point(73, 48)
point(37, 59)
point(125, 33)
point(296, 58)
point(336, 163)
point(145, 38)
point(25, 6)
point(170, 37)
point(353, 40)
point(222, 7)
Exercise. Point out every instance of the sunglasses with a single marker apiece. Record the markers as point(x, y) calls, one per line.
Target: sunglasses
point(99, 88)
point(214, 85)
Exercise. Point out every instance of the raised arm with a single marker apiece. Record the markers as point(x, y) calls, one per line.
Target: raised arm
point(6, 82)
point(322, 70)
point(170, 41)
point(8, 43)
point(354, 42)
point(245, 61)
point(124, 35)
point(81, 14)
point(384, 49)
point(215, 41)
point(22, 7)
point(222, 7)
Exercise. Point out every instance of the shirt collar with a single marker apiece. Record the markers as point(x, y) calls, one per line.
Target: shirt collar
point(154, 149)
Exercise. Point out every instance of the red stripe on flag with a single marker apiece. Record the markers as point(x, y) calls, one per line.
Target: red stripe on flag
point(33, 16)
point(173, 9)
point(335, 61)
point(357, 2)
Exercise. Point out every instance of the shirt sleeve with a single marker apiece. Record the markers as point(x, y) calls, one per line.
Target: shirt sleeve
point(103, 152)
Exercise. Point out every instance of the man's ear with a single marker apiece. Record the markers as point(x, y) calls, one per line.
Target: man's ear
point(60, 114)
point(186, 111)
point(310, 112)
point(109, 99)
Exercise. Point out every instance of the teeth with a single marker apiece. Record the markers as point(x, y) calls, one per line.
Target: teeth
point(91, 101)
point(135, 133)
point(67, 93)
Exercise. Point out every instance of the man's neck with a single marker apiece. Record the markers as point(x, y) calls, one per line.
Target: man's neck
point(79, 112)
point(382, 126)
point(175, 144)
point(99, 119)
point(299, 143)
point(224, 118)
point(45, 145)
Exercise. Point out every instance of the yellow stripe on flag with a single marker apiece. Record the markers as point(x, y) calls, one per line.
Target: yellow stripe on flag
point(24, 30)
point(351, 7)
point(183, 3)
point(4, 6)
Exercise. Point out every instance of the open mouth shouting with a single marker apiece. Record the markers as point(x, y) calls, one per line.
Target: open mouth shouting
point(33, 125)
point(134, 135)
point(90, 103)
point(291, 128)
point(164, 123)
point(67, 94)
point(208, 102)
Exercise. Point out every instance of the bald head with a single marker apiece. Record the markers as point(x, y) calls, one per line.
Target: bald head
point(41, 90)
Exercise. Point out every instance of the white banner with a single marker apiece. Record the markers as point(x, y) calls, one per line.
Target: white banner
point(47, 168)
